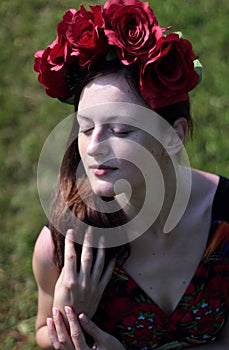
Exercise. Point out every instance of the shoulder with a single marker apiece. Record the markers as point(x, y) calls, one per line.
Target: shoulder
point(44, 247)
point(215, 189)
point(44, 267)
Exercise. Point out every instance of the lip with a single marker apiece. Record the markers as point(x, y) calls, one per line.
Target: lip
point(101, 166)
point(101, 169)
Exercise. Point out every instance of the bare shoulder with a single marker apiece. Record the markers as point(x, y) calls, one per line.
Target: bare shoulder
point(44, 267)
point(208, 178)
point(44, 247)
point(204, 186)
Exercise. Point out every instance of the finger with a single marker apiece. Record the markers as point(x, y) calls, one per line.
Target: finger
point(52, 333)
point(99, 262)
point(107, 274)
point(62, 334)
point(87, 254)
point(70, 258)
point(94, 331)
point(77, 335)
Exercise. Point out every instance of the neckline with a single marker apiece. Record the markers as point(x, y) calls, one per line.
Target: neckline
point(212, 229)
point(170, 316)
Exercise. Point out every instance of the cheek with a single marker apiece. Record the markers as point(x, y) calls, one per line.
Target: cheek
point(82, 146)
point(145, 151)
point(154, 147)
point(146, 159)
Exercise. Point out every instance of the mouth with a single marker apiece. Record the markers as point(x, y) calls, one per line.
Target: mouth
point(102, 170)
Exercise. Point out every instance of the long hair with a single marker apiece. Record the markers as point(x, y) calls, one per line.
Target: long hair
point(67, 201)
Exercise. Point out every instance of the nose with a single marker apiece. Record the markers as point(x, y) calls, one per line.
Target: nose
point(98, 143)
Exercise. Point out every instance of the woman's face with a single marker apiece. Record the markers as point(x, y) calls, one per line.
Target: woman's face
point(110, 145)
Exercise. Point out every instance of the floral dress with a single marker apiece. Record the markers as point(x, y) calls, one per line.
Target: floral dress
point(129, 314)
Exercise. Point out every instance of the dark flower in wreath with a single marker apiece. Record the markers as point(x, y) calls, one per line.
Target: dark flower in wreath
point(52, 68)
point(83, 30)
point(169, 74)
point(131, 26)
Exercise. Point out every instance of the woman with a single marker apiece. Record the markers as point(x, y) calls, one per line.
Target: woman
point(155, 290)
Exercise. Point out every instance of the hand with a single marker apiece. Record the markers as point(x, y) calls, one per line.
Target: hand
point(61, 340)
point(82, 290)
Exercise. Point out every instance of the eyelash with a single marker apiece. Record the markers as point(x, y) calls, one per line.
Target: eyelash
point(110, 129)
point(86, 130)
point(118, 132)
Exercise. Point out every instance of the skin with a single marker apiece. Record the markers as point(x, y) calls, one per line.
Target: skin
point(82, 290)
point(155, 256)
point(76, 340)
point(99, 134)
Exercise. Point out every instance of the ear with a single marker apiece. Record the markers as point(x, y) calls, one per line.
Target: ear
point(175, 137)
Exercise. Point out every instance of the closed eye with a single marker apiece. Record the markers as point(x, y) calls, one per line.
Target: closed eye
point(120, 132)
point(86, 131)
point(117, 131)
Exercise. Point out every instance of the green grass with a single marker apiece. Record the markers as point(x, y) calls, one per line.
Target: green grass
point(27, 116)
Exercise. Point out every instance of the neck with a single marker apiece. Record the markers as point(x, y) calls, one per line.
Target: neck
point(160, 208)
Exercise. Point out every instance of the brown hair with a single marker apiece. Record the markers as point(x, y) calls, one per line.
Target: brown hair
point(67, 193)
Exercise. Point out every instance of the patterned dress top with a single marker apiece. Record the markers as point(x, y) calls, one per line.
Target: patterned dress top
point(129, 314)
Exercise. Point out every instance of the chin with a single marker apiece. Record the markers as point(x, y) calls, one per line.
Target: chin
point(104, 191)
point(106, 195)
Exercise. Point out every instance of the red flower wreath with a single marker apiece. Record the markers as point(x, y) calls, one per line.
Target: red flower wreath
point(127, 31)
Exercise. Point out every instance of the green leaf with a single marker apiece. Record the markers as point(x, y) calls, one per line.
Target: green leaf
point(198, 68)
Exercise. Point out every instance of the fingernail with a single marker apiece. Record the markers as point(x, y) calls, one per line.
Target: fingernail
point(70, 233)
point(101, 242)
point(68, 310)
point(54, 312)
point(83, 318)
point(49, 322)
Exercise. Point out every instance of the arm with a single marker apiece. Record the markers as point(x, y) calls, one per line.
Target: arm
point(46, 275)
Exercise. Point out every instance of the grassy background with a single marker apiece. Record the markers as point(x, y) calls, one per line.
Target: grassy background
point(27, 116)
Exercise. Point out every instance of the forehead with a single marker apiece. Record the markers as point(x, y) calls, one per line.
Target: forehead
point(110, 98)
point(111, 112)
point(108, 88)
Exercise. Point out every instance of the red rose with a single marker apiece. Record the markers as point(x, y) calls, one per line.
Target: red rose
point(132, 26)
point(168, 76)
point(83, 30)
point(58, 54)
point(50, 64)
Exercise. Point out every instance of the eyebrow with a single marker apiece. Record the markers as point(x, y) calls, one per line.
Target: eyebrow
point(110, 118)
